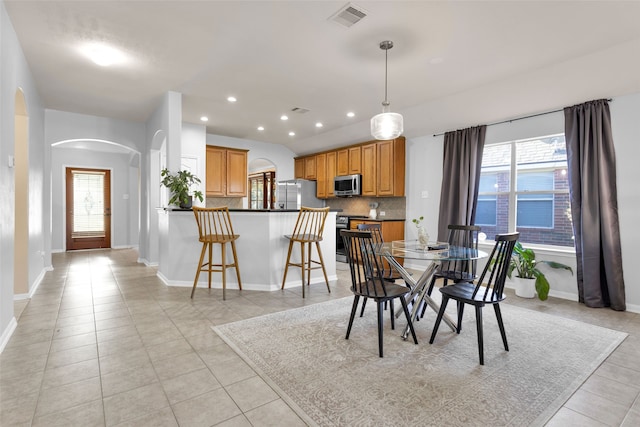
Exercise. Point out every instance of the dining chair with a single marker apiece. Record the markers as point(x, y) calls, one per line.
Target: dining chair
point(368, 281)
point(307, 231)
point(464, 236)
point(488, 290)
point(388, 273)
point(214, 228)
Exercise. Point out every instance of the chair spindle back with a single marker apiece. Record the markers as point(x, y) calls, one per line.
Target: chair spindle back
point(364, 263)
point(213, 222)
point(497, 267)
point(310, 222)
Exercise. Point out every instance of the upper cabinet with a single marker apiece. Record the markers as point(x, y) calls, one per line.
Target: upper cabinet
point(355, 160)
point(226, 172)
point(381, 164)
point(369, 174)
point(298, 168)
point(342, 159)
point(390, 168)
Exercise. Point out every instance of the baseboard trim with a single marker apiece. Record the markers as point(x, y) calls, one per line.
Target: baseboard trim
point(7, 333)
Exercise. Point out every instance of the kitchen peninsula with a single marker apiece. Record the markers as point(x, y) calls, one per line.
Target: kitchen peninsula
point(262, 249)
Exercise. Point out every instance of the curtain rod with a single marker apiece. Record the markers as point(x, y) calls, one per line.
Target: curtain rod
point(519, 118)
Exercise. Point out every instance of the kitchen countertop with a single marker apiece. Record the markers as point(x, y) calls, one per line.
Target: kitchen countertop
point(246, 210)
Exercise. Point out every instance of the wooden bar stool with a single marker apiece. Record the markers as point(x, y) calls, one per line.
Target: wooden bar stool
point(214, 227)
point(308, 229)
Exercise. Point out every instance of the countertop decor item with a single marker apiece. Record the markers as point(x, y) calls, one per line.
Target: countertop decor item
point(423, 236)
point(179, 184)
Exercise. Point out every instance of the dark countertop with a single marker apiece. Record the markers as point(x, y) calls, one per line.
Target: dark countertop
point(171, 209)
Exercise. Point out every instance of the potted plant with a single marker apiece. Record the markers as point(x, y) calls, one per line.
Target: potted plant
point(179, 184)
point(524, 262)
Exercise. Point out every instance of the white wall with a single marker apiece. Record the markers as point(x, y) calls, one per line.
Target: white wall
point(194, 139)
point(14, 75)
point(424, 173)
point(123, 219)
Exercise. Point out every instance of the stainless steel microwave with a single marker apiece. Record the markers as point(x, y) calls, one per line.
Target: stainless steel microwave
point(347, 185)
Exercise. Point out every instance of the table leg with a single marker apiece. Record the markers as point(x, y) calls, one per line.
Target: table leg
point(418, 292)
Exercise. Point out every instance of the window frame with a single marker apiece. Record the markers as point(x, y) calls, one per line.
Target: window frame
point(512, 194)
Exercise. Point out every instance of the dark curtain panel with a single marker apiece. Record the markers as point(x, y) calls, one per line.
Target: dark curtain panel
point(460, 177)
point(594, 204)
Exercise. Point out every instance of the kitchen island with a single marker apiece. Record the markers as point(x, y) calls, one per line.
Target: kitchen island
point(262, 250)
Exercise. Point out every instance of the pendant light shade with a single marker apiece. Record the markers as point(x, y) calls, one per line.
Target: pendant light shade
point(386, 125)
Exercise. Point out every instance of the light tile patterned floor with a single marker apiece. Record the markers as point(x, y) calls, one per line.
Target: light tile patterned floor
point(104, 343)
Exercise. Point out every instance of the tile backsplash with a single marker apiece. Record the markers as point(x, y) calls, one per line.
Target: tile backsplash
point(393, 207)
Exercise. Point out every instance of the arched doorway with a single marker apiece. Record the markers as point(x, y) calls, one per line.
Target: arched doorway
point(262, 184)
point(21, 197)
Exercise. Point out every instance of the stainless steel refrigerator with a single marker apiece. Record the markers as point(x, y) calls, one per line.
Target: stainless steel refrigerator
point(295, 193)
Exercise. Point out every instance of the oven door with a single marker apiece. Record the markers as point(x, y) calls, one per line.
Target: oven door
point(341, 253)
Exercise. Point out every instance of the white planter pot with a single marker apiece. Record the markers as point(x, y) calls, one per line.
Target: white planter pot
point(525, 288)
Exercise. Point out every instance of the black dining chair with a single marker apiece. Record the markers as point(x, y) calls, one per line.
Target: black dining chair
point(464, 236)
point(487, 290)
point(388, 273)
point(368, 281)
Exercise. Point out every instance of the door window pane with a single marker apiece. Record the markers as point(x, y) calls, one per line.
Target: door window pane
point(88, 204)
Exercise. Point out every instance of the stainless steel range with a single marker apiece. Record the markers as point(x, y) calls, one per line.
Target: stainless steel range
point(343, 223)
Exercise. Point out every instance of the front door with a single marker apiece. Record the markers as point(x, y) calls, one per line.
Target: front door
point(88, 208)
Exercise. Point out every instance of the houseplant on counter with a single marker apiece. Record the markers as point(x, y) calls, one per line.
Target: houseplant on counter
point(179, 184)
point(523, 261)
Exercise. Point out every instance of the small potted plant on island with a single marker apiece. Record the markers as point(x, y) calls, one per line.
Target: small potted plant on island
point(179, 184)
point(523, 261)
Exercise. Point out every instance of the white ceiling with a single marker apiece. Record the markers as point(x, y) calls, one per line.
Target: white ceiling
point(499, 60)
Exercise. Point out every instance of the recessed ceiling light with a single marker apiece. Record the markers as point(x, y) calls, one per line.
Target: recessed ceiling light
point(319, 125)
point(102, 54)
point(351, 114)
point(260, 128)
point(204, 118)
point(283, 117)
point(231, 99)
point(292, 133)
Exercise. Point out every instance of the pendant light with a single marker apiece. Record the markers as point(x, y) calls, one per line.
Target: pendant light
point(386, 125)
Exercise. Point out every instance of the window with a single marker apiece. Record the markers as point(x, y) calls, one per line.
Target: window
point(538, 204)
point(262, 190)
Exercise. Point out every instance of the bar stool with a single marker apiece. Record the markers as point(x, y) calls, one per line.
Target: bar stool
point(308, 229)
point(214, 227)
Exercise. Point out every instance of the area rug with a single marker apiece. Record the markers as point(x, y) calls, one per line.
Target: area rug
point(329, 381)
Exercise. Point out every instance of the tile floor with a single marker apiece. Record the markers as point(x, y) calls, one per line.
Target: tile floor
point(104, 343)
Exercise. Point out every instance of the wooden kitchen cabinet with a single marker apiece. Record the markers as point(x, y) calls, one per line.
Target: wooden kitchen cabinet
point(391, 230)
point(390, 167)
point(321, 176)
point(298, 168)
point(310, 171)
point(342, 162)
point(331, 171)
point(369, 175)
point(355, 160)
point(226, 174)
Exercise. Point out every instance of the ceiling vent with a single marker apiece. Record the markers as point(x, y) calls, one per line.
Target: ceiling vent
point(348, 15)
point(300, 110)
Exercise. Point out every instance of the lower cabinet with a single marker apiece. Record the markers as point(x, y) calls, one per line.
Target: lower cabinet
point(391, 230)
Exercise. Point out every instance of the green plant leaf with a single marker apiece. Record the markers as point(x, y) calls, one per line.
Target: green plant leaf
point(542, 286)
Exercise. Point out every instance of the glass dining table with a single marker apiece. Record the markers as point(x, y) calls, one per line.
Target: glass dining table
point(435, 253)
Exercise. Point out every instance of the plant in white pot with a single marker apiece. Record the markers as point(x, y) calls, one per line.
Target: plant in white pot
point(179, 184)
point(524, 262)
